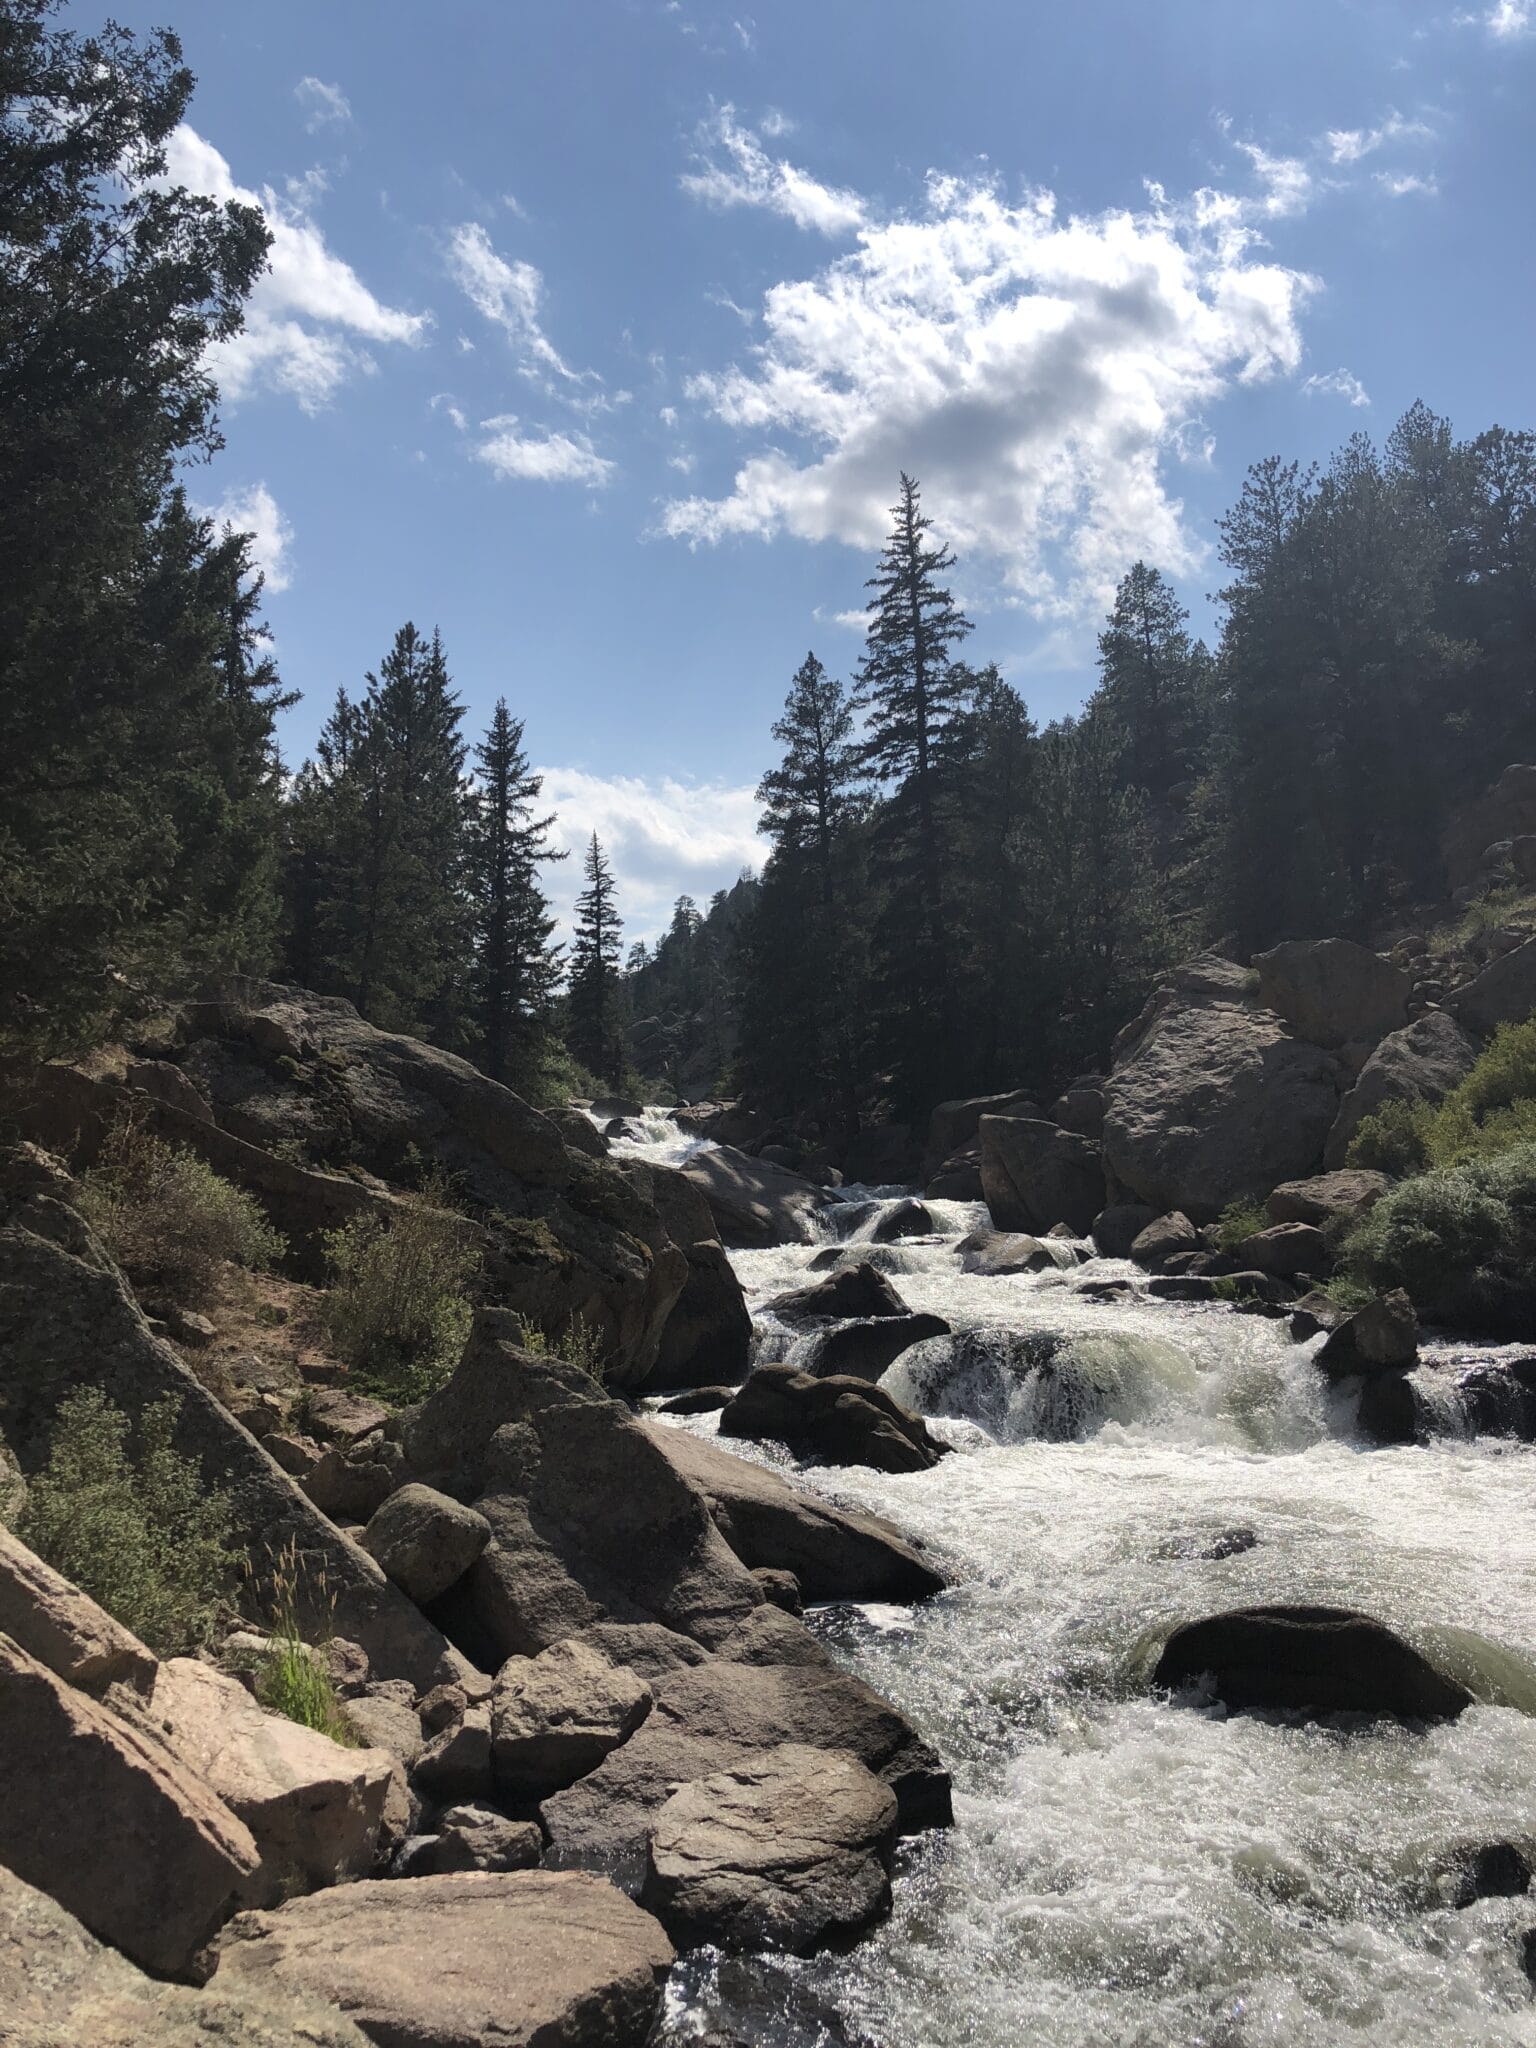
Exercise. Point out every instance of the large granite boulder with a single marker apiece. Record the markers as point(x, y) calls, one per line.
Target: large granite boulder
point(64, 1628)
point(1381, 1337)
point(68, 1321)
point(791, 1851)
point(855, 1291)
point(1035, 1175)
point(589, 1521)
point(1319, 1660)
point(1212, 1101)
point(845, 1421)
point(555, 1717)
point(835, 1553)
point(864, 1350)
point(707, 1337)
point(1333, 992)
point(953, 1125)
point(1505, 811)
point(1504, 993)
point(1328, 1198)
point(314, 1808)
point(425, 1541)
point(719, 1715)
point(1421, 1063)
point(63, 1988)
point(104, 1819)
point(752, 1202)
point(532, 1959)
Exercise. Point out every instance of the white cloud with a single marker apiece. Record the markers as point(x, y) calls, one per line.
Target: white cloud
point(775, 122)
point(540, 457)
point(255, 511)
point(1511, 18)
point(668, 415)
point(663, 838)
point(1348, 145)
point(323, 106)
point(735, 170)
point(1407, 184)
point(854, 621)
point(1337, 384)
point(309, 314)
point(683, 464)
point(1033, 371)
point(511, 295)
point(1286, 180)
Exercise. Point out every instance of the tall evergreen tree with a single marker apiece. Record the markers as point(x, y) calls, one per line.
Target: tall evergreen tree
point(1149, 682)
point(516, 967)
point(593, 1031)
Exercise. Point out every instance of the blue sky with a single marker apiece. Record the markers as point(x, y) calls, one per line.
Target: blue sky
point(597, 332)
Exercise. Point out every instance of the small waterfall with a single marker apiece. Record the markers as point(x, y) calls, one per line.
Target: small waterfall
point(1028, 1385)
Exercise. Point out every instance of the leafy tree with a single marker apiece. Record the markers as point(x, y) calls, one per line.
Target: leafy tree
point(134, 766)
point(593, 1030)
point(516, 967)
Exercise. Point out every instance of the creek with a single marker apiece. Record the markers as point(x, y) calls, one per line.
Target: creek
point(1126, 1871)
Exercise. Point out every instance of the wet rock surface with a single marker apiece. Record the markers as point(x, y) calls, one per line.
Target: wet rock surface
point(1318, 1660)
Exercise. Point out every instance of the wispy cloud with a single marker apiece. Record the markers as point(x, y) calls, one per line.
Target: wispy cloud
point(322, 105)
point(1349, 145)
point(1511, 18)
point(252, 509)
point(538, 457)
point(1337, 384)
point(733, 169)
point(310, 315)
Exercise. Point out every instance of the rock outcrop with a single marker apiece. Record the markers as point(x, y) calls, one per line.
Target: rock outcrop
point(1327, 1198)
point(753, 1203)
point(864, 1349)
point(1319, 1660)
point(707, 1337)
point(855, 1291)
point(1333, 992)
point(62, 1627)
point(1504, 993)
point(1035, 1175)
point(1421, 1063)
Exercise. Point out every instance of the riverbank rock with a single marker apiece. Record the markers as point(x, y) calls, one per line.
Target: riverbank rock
point(857, 1291)
point(993, 1254)
point(315, 1810)
point(866, 1349)
point(954, 1125)
point(1381, 1337)
point(1287, 1249)
point(1035, 1175)
point(1327, 1198)
point(1116, 1229)
point(836, 1553)
point(1333, 992)
point(1320, 1660)
point(903, 1219)
point(1421, 1063)
point(480, 1838)
point(106, 1821)
point(63, 1988)
point(1504, 993)
point(719, 1715)
point(845, 1421)
point(1165, 1238)
point(791, 1851)
point(753, 1203)
point(707, 1337)
point(555, 1717)
point(1211, 1101)
point(474, 1961)
point(425, 1541)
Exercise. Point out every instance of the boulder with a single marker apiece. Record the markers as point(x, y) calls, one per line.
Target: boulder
point(1080, 1108)
point(425, 1541)
point(835, 1553)
point(753, 1203)
point(1421, 1063)
point(696, 1401)
point(708, 1335)
point(903, 1219)
point(1505, 811)
point(480, 1838)
point(65, 1989)
point(958, 1178)
point(579, 1132)
point(1287, 1249)
point(337, 1416)
point(315, 1810)
point(350, 1482)
point(864, 1350)
point(1504, 993)
point(790, 1851)
point(589, 1521)
point(859, 1290)
point(1211, 1101)
point(68, 1320)
point(385, 1717)
point(1318, 1660)
point(780, 1589)
point(616, 1108)
point(63, 1628)
point(954, 1125)
point(1328, 1198)
point(845, 1421)
point(531, 1959)
point(1383, 1336)
point(1035, 1175)
point(720, 1715)
point(994, 1254)
point(1117, 1228)
point(1165, 1239)
point(1333, 992)
point(456, 1763)
point(106, 1821)
point(555, 1717)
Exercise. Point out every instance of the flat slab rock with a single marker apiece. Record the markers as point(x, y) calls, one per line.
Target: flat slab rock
point(531, 1959)
point(790, 1851)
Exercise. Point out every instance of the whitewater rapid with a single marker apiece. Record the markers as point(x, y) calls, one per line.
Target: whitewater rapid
point(1125, 1872)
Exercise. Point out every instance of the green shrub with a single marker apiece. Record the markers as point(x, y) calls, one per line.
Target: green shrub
point(1396, 1140)
point(548, 1074)
point(167, 1218)
point(579, 1344)
point(1461, 1240)
point(398, 1312)
point(1239, 1221)
point(136, 1532)
point(1491, 1112)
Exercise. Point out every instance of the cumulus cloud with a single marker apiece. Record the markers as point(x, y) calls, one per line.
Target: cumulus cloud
point(1035, 371)
point(733, 169)
point(310, 315)
point(664, 839)
point(253, 510)
point(545, 458)
point(1337, 384)
point(323, 106)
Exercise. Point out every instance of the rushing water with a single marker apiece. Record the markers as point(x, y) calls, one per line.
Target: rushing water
point(1125, 1872)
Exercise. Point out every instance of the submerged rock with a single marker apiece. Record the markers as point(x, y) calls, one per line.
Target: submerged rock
point(1319, 1660)
point(1382, 1336)
point(865, 1350)
point(846, 1421)
point(856, 1291)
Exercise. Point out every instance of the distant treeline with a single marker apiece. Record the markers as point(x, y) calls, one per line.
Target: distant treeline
point(955, 898)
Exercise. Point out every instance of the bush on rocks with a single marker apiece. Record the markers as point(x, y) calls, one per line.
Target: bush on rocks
point(398, 1312)
point(1491, 1112)
point(1460, 1241)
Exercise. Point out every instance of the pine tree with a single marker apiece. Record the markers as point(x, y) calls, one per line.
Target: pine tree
point(516, 966)
point(593, 1031)
point(1149, 682)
